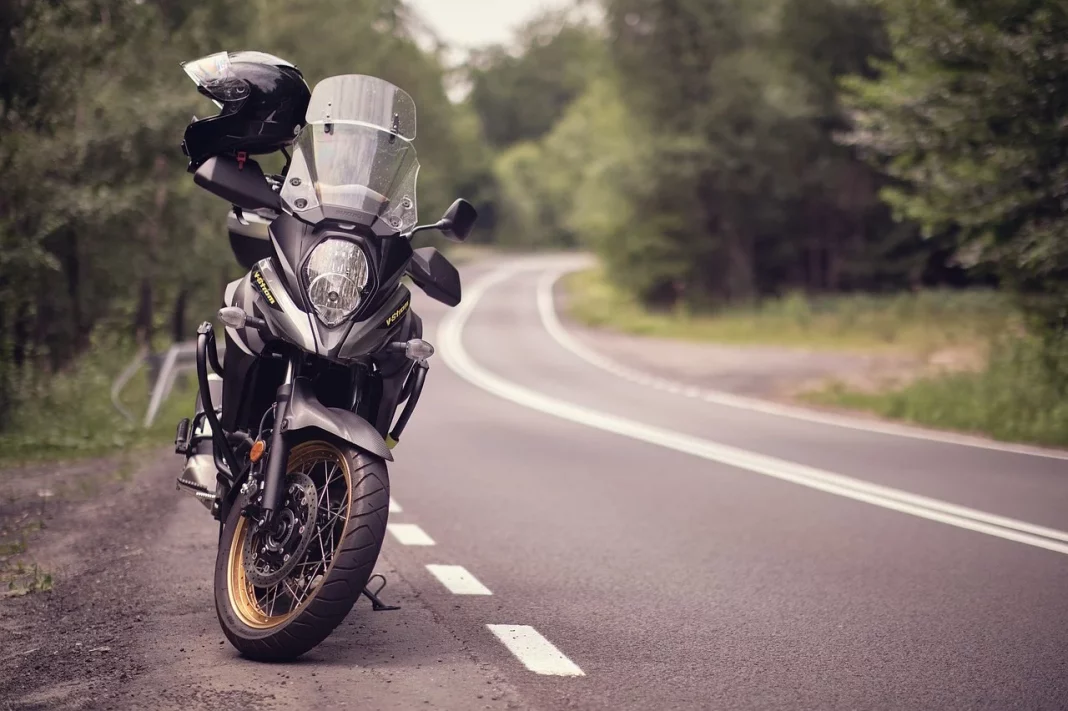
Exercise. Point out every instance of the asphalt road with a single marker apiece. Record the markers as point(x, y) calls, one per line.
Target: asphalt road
point(677, 581)
point(644, 546)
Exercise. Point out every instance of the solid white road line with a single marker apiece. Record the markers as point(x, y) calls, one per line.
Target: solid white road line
point(408, 534)
point(535, 652)
point(458, 580)
point(394, 507)
point(456, 357)
point(551, 323)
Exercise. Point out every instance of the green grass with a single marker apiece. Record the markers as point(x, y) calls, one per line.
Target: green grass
point(22, 579)
point(1017, 398)
point(70, 415)
point(18, 576)
point(918, 323)
point(1020, 394)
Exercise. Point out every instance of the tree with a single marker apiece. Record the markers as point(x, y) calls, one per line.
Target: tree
point(520, 92)
point(745, 191)
point(968, 117)
point(94, 143)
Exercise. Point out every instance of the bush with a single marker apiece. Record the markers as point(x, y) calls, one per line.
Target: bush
point(918, 323)
point(1022, 395)
point(70, 414)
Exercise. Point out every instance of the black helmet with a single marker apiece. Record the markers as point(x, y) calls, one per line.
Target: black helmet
point(263, 100)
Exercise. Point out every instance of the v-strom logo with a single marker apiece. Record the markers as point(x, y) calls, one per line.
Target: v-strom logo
point(261, 284)
point(392, 318)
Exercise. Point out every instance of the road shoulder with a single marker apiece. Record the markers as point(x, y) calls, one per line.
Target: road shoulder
point(129, 621)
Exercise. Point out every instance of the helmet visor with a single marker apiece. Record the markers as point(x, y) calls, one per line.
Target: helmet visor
point(215, 77)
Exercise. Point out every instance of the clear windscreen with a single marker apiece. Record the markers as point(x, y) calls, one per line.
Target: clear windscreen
point(355, 98)
point(355, 154)
point(354, 167)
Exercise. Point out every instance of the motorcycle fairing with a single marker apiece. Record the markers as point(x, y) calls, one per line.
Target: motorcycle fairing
point(347, 342)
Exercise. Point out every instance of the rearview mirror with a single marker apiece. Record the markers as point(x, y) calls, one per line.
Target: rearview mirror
point(459, 220)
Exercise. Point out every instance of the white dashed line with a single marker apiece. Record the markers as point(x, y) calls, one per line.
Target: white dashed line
point(394, 507)
point(409, 534)
point(458, 580)
point(535, 652)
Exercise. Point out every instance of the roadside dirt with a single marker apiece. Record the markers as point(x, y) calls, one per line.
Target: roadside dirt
point(770, 372)
point(763, 371)
point(129, 621)
point(86, 526)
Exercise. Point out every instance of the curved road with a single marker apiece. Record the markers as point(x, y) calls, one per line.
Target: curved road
point(571, 534)
point(658, 541)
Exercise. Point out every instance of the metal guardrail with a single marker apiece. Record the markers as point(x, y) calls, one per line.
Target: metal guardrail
point(178, 358)
point(124, 377)
point(181, 356)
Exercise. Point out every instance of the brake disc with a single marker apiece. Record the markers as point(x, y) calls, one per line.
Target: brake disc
point(272, 554)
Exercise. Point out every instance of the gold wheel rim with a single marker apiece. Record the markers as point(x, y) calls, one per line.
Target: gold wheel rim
point(256, 607)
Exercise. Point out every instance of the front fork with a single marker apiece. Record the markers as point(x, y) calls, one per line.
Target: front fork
point(278, 452)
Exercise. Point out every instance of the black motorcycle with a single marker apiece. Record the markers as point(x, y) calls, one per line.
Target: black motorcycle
point(293, 429)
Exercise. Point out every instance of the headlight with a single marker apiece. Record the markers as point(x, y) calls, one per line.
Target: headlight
point(336, 273)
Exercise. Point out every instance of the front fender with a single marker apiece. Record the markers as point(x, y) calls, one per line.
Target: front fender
point(306, 411)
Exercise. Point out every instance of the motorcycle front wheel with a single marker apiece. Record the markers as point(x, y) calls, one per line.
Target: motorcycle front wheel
point(280, 592)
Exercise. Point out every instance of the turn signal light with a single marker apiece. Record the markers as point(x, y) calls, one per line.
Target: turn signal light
point(233, 316)
point(418, 349)
point(257, 450)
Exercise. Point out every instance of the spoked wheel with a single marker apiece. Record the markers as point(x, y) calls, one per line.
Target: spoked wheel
point(279, 591)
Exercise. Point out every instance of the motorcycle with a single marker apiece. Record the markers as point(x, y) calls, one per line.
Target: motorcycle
point(294, 426)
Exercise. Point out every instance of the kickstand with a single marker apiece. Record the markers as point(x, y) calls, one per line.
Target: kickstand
point(376, 604)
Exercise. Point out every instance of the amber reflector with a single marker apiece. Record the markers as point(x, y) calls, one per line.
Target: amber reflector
point(257, 450)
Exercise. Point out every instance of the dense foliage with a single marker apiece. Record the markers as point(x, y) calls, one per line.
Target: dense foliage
point(726, 151)
point(970, 115)
point(713, 152)
point(700, 159)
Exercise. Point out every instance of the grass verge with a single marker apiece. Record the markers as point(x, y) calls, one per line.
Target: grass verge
point(920, 323)
point(1012, 388)
point(1018, 397)
point(70, 415)
point(460, 254)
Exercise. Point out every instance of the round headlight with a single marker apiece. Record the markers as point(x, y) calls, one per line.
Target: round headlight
point(336, 274)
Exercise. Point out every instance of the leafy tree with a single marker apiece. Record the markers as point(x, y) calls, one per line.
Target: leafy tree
point(969, 117)
point(93, 142)
point(520, 92)
point(744, 189)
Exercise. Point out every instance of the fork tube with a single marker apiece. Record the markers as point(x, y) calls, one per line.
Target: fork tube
point(278, 453)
